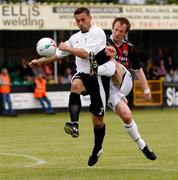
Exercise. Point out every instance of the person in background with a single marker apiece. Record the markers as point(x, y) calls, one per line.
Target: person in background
point(170, 64)
point(60, 79)
point(51, 79)
point(48, 71)
point(5, 89)
point(153, 74)
point(40, 93)
point(176, 75)
point(161, 70)
point(25, 71)
point(67, 76)
point(170, 76)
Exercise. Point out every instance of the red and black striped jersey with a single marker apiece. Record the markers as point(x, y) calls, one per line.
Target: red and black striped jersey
point(126, 54)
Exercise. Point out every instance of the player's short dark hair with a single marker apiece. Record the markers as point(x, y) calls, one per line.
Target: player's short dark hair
point(82, 10)
point(122, 20)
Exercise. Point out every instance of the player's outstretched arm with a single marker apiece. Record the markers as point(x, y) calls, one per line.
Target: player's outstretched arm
point(143, 81)
point(80, 52)
point(110, 52)
point(43, 60)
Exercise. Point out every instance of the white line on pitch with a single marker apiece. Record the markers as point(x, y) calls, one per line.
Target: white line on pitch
point(37, 160)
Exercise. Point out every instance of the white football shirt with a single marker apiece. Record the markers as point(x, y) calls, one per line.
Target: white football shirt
point(94, 40)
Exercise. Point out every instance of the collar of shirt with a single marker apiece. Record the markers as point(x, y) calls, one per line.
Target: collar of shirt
point(118, 45)
point(88, 30)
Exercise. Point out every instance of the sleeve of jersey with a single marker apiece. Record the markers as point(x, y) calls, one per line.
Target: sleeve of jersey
point(62, 54)
point(96, 41)
point(135, 61)
point(102, 57)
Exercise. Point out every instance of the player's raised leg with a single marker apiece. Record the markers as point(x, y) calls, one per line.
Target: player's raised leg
point(131, 128)
point(74, 107)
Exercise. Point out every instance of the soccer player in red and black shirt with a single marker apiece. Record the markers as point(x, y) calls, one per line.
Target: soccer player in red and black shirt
point(121, 83)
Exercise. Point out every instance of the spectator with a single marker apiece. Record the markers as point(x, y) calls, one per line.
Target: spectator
point(51, 79)
point(67, 76)
point(153, 72)
point(40, 94)
point(176, 75)
point(148, 67)
point(25, 71)
point(60, 79)
point(5, 89)
point(160, 69)
point(170, 75)
point(38, 70)
point(170, 63)
point(47, 70)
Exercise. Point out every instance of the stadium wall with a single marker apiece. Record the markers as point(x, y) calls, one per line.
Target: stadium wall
point(38, 16)
point(23, 99)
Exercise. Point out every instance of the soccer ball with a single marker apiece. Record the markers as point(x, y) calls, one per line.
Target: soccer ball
point(46, 47)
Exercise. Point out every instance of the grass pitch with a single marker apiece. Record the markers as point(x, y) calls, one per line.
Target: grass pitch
point(27, 140)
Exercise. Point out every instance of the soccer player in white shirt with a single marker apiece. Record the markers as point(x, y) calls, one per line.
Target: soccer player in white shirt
point(90, 38)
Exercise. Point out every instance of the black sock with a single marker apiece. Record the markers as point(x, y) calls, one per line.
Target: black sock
point(74, 107)
point(99, 136)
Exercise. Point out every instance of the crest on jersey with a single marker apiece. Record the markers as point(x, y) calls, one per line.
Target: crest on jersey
point(125, 53)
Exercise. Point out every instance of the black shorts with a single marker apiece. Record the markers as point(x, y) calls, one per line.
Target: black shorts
point(98, 89)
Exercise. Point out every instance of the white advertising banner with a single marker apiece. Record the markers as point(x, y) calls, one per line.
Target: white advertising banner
point(60, 16)
point(58, 100)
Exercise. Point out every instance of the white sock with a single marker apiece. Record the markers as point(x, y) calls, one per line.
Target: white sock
point(135, 135)
point(107, 69)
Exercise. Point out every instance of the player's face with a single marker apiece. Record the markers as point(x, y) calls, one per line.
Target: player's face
point(83, 21)
point(119, 31)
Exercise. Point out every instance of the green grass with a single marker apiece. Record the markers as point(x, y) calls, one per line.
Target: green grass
point(43, 137)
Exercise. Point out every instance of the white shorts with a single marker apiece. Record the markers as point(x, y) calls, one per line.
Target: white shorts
point(116, 93)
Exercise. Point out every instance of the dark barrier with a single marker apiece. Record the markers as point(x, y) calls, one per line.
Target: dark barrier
point(51, 87)
point(170, 94)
